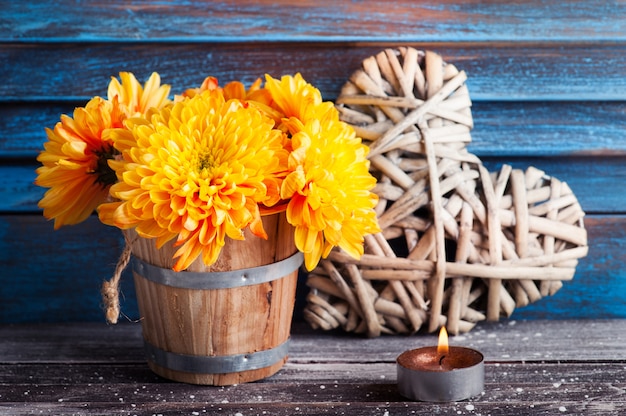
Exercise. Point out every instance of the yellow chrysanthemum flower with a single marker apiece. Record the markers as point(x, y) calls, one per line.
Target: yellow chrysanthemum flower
point(293, 97)
point(75, 162)
point(198, 173)
point(232, 90)
point(208, 165)
point(75, 159)
point(328, 189)
point(136, 100)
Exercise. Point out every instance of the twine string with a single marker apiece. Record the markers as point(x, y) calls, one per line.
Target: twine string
point(111, 288)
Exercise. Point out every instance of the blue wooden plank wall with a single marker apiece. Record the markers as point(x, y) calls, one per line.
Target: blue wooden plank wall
point(547, 79)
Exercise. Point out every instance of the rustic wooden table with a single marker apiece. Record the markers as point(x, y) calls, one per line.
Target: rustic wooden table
point(532, 367)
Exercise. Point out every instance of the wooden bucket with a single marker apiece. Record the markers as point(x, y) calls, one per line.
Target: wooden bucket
point(224, 324)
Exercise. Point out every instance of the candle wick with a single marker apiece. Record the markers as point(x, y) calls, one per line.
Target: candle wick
point(441, 360)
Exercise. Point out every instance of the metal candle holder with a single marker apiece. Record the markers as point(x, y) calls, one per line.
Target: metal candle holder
point(425, 375)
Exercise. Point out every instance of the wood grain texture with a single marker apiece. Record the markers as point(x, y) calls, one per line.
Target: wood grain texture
point(548, 71)
point(541, 367)
point(547, 81)
point(508, 341)
point(593, 183)
point(519, 129)
point(548, 85)
point(243, 319)
point(251, 20)
point(48, 276)
point(42, 284)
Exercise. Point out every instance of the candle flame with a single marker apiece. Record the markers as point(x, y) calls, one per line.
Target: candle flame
point(442, 345)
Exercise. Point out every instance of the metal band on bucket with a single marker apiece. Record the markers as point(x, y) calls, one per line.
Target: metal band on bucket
point(218, 280)
point(216, 364)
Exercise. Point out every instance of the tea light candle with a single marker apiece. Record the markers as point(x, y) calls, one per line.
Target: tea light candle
point(440, 374)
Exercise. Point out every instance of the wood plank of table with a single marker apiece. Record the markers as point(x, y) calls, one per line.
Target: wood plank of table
point(532, 367)
point(502, 129)
point(593, 183)
point(497, 71)
point(598, 340)
point(271, 20)
point(58, 277)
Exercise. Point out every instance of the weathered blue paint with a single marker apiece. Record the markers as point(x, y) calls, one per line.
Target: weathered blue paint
point(596, 185)
point(310, 21)
point(50, 276)
point(56, 276)
point(547, 80)
point(496, 72)
point(558, 130)
point(599, 286)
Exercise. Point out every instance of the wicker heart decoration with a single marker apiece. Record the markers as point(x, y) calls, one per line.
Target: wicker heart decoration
point(459, 244)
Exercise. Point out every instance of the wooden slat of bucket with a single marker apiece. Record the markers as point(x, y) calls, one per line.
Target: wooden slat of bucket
point(220, 322)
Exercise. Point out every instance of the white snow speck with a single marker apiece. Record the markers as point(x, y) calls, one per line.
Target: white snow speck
point(562, 409)
point(469, 407)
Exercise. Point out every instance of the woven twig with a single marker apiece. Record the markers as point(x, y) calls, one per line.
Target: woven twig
point(459, 244)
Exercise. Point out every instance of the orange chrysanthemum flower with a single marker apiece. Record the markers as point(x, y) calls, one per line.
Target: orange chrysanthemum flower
point(75, 163)
point(328, 189)
point(75, 159)
point(198, 172)
point(232, 90)
point(209, 164)
point(294, 97)
point(136, 100)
